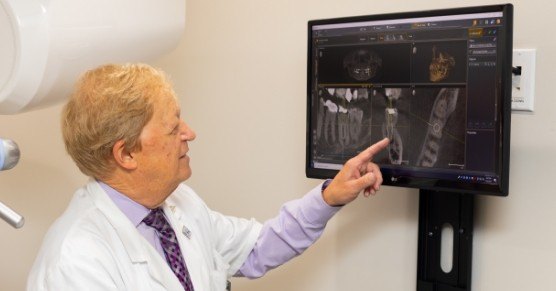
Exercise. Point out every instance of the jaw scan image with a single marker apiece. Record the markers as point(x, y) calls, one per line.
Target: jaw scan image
point(439, 62)
point(343, 121)
point(425, 125)
point(414, 94)
point(362, 64)
point(441, 65)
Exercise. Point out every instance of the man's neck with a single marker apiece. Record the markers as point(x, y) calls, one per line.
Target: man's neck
point(137, 191)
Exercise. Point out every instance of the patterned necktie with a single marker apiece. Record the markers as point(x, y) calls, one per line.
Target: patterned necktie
point(170, 245)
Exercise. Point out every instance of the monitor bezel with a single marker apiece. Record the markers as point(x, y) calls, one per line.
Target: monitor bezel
point(393, 177)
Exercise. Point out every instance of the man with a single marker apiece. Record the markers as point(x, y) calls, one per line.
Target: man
point(136, 226)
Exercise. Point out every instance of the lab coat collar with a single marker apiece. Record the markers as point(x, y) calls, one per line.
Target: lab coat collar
point(137, 248)
point(123, 226)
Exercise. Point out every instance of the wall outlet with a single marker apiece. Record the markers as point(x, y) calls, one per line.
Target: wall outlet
point(523, 79)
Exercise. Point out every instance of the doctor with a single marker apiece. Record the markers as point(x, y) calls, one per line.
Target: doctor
point(136, 226)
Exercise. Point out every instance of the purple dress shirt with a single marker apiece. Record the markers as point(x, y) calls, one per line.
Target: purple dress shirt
point(298, 225)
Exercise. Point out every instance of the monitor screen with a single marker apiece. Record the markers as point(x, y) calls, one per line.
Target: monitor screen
point(437, 83)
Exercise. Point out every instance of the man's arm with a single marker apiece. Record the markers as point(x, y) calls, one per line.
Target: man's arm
point(301, 222)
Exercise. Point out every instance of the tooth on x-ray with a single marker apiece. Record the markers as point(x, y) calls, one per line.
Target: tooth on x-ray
point(349, 96)
point(340, 93)
point(342, 110)
point(330, 121)
point(332, 107)
point(393, 93)
point(395, 148)
point(355, 122)
point(343, 127)
point(363, 93)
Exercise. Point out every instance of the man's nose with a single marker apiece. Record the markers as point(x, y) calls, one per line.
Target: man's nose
point(188, 133)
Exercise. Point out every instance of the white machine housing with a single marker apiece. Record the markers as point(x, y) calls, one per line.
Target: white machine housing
point(46, 44)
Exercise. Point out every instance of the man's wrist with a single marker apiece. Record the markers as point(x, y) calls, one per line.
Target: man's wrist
point(325, 184)
point(327, 196)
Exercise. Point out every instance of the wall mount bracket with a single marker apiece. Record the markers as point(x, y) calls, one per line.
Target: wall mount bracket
point(438, 208)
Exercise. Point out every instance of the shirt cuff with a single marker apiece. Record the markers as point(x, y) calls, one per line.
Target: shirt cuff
point(315, 210)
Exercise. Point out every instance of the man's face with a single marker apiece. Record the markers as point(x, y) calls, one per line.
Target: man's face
point(162, 161)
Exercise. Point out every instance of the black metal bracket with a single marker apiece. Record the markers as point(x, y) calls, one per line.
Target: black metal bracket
point(437, 208)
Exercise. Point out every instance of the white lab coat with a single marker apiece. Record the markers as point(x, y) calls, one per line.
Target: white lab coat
point(94, 246)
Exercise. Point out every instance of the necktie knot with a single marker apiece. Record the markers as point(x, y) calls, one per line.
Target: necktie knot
point(156, 219)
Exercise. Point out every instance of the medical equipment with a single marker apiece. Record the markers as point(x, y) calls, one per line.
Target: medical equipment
point(46, 44)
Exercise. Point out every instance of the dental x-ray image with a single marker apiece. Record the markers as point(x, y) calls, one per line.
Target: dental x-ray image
point(343, 121)
point(426, 126)
point(359, 64)
point(439, 62)
point(363, 97)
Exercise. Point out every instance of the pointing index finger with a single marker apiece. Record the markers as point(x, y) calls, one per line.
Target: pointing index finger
point(369, 152)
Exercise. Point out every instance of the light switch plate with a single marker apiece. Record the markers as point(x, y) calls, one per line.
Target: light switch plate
point(523, 79)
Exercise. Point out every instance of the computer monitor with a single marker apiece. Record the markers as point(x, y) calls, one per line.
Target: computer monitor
point(437, 83)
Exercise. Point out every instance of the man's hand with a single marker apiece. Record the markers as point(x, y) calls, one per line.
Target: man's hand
point(358, 173)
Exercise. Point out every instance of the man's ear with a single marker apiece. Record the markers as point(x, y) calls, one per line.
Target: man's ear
point(123, 157)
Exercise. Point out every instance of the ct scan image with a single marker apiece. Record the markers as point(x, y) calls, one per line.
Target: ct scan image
point(343, 122)
point(364, 96)
point(359, 64)
point(428, 129)
point(391, 118)
point(426, 126)
point(439, 62)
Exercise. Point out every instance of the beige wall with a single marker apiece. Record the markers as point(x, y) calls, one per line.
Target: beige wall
point(240, 73)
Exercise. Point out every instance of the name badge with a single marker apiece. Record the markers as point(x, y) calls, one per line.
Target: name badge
point(186, 232)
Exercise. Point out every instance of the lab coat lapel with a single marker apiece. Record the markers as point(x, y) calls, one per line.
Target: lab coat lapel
point(161, 272)
point(137, 248)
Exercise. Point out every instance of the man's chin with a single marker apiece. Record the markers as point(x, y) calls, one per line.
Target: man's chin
point(185, 176)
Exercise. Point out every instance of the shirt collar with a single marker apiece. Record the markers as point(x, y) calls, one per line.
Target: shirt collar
point(133, 210)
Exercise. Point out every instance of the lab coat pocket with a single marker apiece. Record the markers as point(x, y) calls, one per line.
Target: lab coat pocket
point(219, 274)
